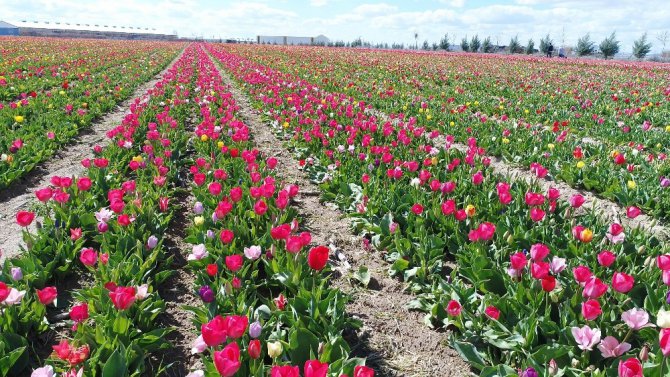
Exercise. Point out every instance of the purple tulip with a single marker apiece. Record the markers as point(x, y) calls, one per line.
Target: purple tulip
point(206, 293)
point(665, 182)
point(152, 242)
point(198, 208)
point(255, 329)
point(529, 372)
point(17, 274)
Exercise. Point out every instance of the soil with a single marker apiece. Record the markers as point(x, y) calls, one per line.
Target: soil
point(394, 340)
point(66, 162)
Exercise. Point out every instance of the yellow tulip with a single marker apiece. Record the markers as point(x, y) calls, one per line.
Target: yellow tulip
point(285, 125)
point(204, 138)
point(505, 140)
point(18, 118)
point(526, 111)
point(631, 185)
point(138, 159)
point(429, 117)
point(198, 220)
point(551, 146)
point(453, 124)
point(219, 144)
point(470, 210)
point(586, 235)
point(667, 128)
point(433, 161)
point(476, 103)
point(580, 165)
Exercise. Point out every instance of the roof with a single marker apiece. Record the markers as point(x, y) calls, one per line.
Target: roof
point(7, 25)
point(85, 27)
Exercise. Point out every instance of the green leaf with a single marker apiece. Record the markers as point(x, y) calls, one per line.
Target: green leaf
point(115, 366)
point(362, 275)
point(470, 354)
point(302, 345)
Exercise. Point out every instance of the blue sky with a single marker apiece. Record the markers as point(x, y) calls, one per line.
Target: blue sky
point(376, 21)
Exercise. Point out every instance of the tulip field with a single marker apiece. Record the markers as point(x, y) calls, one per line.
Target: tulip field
point(525, 271)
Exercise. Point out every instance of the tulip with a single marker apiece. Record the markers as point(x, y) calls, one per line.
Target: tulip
point(318, 257)
point(45, 371)
point(529, 372)
point(663, 319)
point(254, 349)
point(24, 218)
point(214, 332)
point(363, 371)
point(417, 209)
point(284, 371)
point(275, 349)
point(664, 342)
point(199, 345)
point(196, 373)
point(539, 251)
point(88, 257)
point(576, 201)
point(234, 262)
point(255, 329)
point(622, 282)
point(586, 337)
point(548, 283)
point(633, 212)
point(236, 325)
point(79, 313)
point(636, 318)
point(122, 297)
point(253, 252)
point(630, 368)
point(227, 361)
point(75, 234)
point(594, 288)
point(606, 258)
point(198, 252)
point(152, 242)
point(610, 347)
point(4, 291)
point(315, 368)
point(557, 265)
point(454, 308)
point(492, 312)
point(206, 294)
point(591, 310)
point(47, 295)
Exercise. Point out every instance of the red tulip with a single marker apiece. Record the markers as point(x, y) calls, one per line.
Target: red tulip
point(537, 214)
point(454, 308)
point(492, 312)
point(606, 258)
point(622, 282)
point(591, 310)
point(226, 236)
point(576, 201)
point(236, 325)
point(260, 208)
point(227, 361)
point(284, 371)
point(518, 260)
point(363, 371)
point(122, 297)
point(75, 234)
point(582, 274)
point(280, 302)
point(4, 291)
point(214, 332)
point(24, 218)
point(43, 195)
point(630, 368)
point(539, 270)
point(212, 269)
point(664, 341)
point(88, 257)
point(234, 262)
point(84, 183)
point(633, 212)
point(318, 257)
point(548, 283)
point(254, 349)
point(79, 313)
point(315, 368)
point(280, 232)
point(47, 295)
point(294, 244)
point(417, 209)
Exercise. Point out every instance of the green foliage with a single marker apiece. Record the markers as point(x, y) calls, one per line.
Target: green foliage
point(585, 46)
point(487, 46)
point(514, 45)
point(609, 46)
point(530, 47)
point(444, 42)
point(545, 43)
point(641, 47)
point(465, 46)
point(475, 43)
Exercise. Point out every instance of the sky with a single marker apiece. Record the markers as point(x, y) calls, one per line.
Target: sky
point(375, 21)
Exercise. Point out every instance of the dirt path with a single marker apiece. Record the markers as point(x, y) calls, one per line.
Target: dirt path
point(65, 162)
point(395, 340)
point(607, 209)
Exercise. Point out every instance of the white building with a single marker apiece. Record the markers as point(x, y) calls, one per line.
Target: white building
point(287, 40)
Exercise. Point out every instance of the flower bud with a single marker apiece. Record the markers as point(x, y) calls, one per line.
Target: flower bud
point(553, 367)
point(644, 353)
point(255, 329)
point(274, 349)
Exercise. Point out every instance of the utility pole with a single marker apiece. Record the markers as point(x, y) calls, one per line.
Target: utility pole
point(416, 40)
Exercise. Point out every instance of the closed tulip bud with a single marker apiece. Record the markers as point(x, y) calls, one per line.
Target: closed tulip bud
point(644, 353)
point(275, 349)
point(553, 367)
point(574, 363)
point(255, 329)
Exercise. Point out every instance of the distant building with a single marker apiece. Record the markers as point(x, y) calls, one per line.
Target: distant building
point(67, 30)
point(8, 29)
point(286, 40)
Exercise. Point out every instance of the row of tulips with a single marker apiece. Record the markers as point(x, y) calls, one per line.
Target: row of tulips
point(541, 285)
point(38, 123)
point(104, 230)
point(267, 307)
point(565, 117)
point(39, 64)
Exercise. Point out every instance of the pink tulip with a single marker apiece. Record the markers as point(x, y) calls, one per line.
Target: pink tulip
point(610, 347)
point(636, 318)
point(586, 337)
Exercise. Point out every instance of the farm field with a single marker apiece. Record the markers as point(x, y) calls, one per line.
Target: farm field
point(248, 210)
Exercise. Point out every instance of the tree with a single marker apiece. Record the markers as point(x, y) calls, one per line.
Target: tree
point(641, 47)
point(465, 46)
point(663, 37)
point(444, 42)
point(425, 45)
point(487, 46)
point(475, 43)
point(435, 46)
point(585, 46)
point(545, 43)
point(515, 46)
point(530, 47)
point(609, 46)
